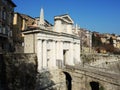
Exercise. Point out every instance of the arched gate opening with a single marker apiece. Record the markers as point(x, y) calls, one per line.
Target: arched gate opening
point(68, 81)
point(96, 86)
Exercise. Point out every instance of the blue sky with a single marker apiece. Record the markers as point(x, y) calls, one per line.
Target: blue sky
point(95, 15)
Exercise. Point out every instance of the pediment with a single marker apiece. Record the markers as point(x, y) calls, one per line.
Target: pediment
point(65, 18)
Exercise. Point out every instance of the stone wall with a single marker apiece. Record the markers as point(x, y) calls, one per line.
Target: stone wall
point(95, 59)
point(19, 72)
point(19, 48)
point(51, 80)
point(82, 77)
point(106, 62)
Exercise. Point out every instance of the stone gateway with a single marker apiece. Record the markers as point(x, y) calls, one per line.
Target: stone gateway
point(55, 45)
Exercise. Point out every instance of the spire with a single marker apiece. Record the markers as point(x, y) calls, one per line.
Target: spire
point(76, 28)
point(41, 22)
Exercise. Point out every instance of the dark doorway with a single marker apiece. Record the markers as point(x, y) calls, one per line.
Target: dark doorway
point(64, 56)
point(68, 81)
point(94, 85)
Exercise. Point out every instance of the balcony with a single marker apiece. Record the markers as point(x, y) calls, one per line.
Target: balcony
point(3, 35)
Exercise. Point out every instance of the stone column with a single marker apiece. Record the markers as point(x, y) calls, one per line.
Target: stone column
point(44, 54)
point(53, 54)
point(57, 54)
point(60, 53)
point(71, 54)
point(77, 53)
point(57, 50)
point(39, 54)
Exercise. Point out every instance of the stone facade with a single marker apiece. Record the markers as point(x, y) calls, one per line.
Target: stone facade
point(54, 47)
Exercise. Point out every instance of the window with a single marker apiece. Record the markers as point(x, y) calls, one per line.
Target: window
point(0, 29)
point(8, 18)
point(3, 30)
point(11, 17)
point(0, 13)
point(4, 1)
point(3, 14)
point(6, 30)
point(11, 8)
point(10, 33)
point(2, 46)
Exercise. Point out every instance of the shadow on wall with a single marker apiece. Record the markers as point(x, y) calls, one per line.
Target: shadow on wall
point(19, 72)
point(44, 81)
